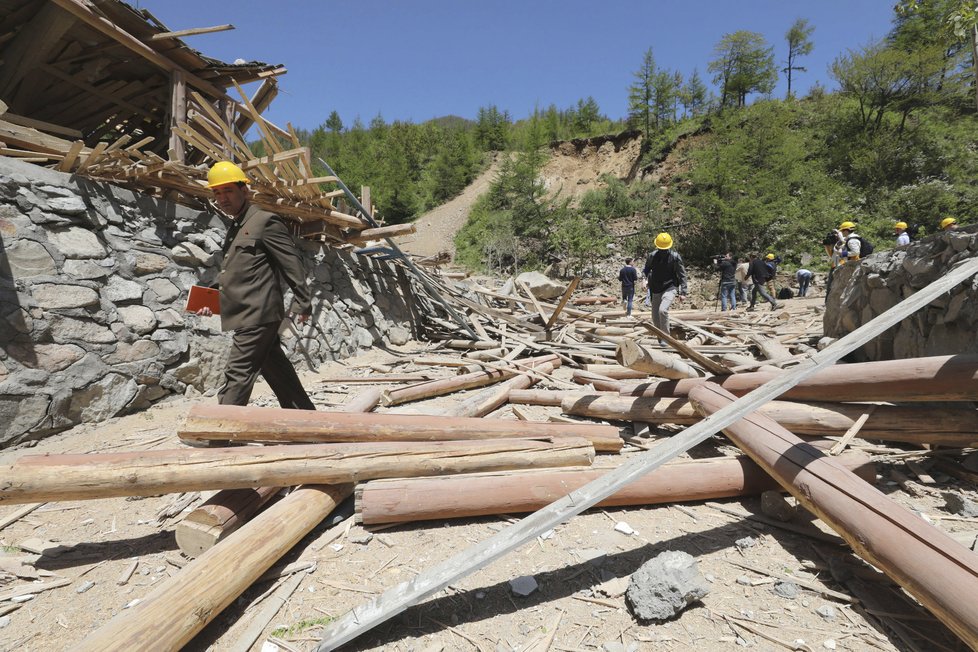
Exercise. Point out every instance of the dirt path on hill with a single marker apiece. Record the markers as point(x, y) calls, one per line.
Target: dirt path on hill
point(437, 228)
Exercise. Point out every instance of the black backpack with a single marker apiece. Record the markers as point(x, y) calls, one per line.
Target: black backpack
point(865, 246)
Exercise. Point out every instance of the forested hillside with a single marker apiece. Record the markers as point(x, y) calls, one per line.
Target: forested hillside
point(895, 141)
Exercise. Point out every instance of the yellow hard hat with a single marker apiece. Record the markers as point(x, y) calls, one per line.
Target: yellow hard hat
point(847, 226)
point(663, 241)
point(224, 172)
point(900, 225)
point(769, 257)
point(948, 221)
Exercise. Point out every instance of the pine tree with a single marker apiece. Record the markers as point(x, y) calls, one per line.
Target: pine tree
point(799, 45)
point(642, 93)
point(744, 64)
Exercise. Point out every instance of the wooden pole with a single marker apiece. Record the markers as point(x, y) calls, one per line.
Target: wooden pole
point(172, 614)
point(633, 355)
point(937, 378)
point(922, 425)
point(222, 514)
point(548, 396)
point(930, 565)
point(78, 477)
point(237, 423)
point(491, 398)
point(479, 494)
point(443, 386)
point(227, 510)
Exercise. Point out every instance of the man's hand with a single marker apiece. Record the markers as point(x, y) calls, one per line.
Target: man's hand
point(204, 312)
point(299, 319)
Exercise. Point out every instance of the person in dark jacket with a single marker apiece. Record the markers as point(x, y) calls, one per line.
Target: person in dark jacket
point(666, 277)
point(258, 253)
point(628, 276)
point(761, 273)
point(727, 265)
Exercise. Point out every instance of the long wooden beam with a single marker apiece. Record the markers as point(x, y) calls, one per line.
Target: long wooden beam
point(936, 378)
point(399, 500)
point(237, 423)
point(400, 597)
point(173, 613)
point(36, 478)
point(934, 568)
point(922, 425)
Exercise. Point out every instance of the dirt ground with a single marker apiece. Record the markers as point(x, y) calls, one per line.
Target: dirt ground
point(581, 567)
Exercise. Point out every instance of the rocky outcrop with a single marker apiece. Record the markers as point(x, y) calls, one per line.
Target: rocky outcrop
point(947, 326)
point(93, 284)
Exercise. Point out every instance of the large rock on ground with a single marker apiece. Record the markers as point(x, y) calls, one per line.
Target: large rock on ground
point(541, 286)
point(665, 585)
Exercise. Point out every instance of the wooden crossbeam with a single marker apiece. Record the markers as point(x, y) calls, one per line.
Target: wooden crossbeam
point(190, 32)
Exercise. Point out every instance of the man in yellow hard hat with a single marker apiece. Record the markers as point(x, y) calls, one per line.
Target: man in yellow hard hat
point(851, 244)
point(949, 224)
point(902, 237)
point(762, 272)
point(258, 253)
point(665, 276)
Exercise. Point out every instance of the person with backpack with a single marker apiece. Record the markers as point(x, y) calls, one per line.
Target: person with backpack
point(949, 224)
point(855, 246)
point(628, 276)
point(900, 231)
point(665, 276)
point(761, 273)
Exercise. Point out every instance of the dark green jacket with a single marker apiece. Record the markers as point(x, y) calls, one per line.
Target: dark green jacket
point(259, 253)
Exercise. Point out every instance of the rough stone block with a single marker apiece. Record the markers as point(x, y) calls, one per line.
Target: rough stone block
point(76, 242)
point(665, 586)
point(52, 296)
point(138, 318)
point(28, 258)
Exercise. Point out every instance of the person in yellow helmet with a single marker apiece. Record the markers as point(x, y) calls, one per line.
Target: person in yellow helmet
point(949, 224)
point(258, 253)
point(762, 271)
point(902, 237)
point(665, 276)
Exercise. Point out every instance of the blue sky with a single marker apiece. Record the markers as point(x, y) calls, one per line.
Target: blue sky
point(427, 58)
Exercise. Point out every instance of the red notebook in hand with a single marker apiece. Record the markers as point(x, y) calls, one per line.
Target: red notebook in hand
point(201, 297)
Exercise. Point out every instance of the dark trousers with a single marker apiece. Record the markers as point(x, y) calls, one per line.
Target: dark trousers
point(258, 350)
point(759, 289)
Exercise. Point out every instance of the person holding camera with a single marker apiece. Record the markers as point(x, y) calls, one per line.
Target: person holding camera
point(727, 265)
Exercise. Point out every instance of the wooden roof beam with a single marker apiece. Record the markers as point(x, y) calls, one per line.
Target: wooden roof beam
point(32, 45)
point(190, 32)
point(82, 10)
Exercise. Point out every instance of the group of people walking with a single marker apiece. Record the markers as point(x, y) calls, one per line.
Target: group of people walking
point(741, 280)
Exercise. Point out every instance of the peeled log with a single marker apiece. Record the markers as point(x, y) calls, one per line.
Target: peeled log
point(655, 363)
point(491, 398)
point(237, 423)
point(930, 565)
point(222, 514)
point(39, 478)
point(479, 494)
point(441, 386)
point(549, 396)
point(936, 378)
point(956, 427)
point(180, 607)
point(615, 371)
point(227, 510)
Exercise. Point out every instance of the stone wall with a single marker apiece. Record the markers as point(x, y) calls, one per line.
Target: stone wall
point(93, 282)
point(946, 326)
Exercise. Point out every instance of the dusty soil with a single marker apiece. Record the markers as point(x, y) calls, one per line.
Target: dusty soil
point(436, 229)
point(581, 567)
